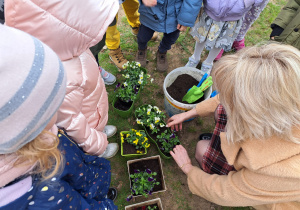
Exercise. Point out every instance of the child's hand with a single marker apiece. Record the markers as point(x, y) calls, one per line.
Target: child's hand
point(181, 27)
point(149, 3)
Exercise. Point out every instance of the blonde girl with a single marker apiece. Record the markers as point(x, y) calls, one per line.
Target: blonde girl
point(38, 170)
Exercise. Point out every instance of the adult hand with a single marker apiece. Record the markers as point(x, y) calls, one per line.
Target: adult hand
point(149, 3)
point(178, 119)
point(175, 122)
point(272, 37)
point(182, 159)
point(181, 27)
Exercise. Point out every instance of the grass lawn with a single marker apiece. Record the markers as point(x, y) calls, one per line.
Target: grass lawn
point(177, 195)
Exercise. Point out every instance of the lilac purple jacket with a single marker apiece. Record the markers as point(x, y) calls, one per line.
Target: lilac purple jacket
point(229, 10)
point(70, 28)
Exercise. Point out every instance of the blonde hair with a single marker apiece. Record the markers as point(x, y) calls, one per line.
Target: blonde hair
point(260, 90)
point(43, 153)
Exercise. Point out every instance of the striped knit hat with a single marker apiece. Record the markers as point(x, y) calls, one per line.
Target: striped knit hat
point(32, 87)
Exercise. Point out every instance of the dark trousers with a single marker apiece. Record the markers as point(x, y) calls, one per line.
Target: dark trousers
point(145, 34)
point(98, 47)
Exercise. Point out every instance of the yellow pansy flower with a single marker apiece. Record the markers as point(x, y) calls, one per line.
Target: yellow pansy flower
point(136, 141)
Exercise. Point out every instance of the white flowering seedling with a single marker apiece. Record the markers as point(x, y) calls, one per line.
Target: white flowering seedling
point(135, 80)
point(151, 117)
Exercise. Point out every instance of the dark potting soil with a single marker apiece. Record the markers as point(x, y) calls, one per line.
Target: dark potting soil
point(153, 165)
point(121, 105)
point(145, 207)
point(130, 149)
point(180, 87)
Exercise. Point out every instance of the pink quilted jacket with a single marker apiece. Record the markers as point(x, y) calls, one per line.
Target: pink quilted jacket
point(70, 28)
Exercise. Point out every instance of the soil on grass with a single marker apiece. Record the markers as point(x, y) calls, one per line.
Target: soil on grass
point(146, 207)
point(130, 149)
point(121, 105)
point(154, 166)
point(180, 87)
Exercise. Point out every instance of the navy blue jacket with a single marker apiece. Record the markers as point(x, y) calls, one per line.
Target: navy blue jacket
point(83, 184)
point(165, 16)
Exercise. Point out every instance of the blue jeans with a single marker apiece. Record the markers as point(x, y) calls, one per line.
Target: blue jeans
point(145, 34)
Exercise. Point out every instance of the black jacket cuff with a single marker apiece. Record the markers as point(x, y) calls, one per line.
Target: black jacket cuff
point(277, 30)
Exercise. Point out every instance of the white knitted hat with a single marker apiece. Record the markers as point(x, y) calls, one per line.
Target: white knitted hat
point(32, 87)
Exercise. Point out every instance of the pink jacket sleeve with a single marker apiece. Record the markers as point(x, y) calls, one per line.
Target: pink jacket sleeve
point(61, 23)
point(92, 141)
point(84, 111)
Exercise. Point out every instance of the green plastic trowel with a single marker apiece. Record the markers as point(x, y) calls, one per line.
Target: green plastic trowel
point(197, 92)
